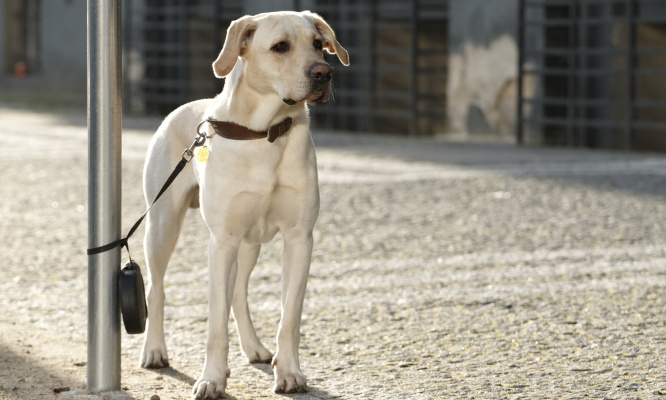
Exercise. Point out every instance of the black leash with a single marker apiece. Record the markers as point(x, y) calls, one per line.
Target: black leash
point(188, 154)
point(123, 242)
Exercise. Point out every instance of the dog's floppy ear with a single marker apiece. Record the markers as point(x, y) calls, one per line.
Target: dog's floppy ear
point(330, 42)
point(238, 38)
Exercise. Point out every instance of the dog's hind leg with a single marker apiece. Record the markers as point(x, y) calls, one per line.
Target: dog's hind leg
point(161, 235)
point(252, 347)
point(163, 225)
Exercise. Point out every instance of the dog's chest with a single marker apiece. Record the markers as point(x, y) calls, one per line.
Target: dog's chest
point(254, 190)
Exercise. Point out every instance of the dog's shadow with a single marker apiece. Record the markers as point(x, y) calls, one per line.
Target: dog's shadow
point(174, 373)
point(313, 391)
point(263, 367)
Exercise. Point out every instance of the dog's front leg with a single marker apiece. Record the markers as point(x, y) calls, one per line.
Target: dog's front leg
point(295, 269)
point(222, 267)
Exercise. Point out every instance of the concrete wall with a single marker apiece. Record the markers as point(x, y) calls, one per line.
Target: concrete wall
point(62, 71)
point(483, 68)
point(64, 45)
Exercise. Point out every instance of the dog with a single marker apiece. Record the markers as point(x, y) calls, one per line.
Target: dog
point(247, 190)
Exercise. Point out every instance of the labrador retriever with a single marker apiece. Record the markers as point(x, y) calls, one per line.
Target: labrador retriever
point(247, 190)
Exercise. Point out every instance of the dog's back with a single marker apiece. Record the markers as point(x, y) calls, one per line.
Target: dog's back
point(174, 135)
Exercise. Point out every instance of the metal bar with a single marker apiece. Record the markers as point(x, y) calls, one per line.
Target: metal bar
point(218, 32)
point(336, 12)
point(104, 188)
point(563, 22)
point(521, 54)
point(655, 125)
point(184, 40)
point(413, 108)
point(631, 61)
point(598, 102)
point(571, 71)
point(357, 80)
point(649, 72)
point(401, 113)
point(586, 72)
point(563, 51)
point(372, 77)
point(595, 122)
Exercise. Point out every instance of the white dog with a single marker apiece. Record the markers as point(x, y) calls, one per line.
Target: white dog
point(248, 190)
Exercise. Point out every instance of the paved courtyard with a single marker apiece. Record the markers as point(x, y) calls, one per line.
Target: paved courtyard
point(440, 271)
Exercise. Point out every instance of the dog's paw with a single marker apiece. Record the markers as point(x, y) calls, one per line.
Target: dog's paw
point(293, 382)
point(154, 358)
point(260, 355)
point(209, 389)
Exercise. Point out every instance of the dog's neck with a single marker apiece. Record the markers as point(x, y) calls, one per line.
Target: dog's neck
point(256, 111)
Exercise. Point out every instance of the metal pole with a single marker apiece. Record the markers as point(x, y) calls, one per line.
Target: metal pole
point(104, 186)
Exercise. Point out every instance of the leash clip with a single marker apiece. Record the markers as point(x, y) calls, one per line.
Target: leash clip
point(199, 141)
point(188, 154)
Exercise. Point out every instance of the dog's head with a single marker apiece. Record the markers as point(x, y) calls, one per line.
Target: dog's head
point(282, 54)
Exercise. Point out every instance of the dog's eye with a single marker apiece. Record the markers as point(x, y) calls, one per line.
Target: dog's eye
point(317, 44)
point(281, 47)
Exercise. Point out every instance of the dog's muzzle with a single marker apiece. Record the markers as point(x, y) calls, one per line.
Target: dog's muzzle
point(320, 87)
point(320, 75)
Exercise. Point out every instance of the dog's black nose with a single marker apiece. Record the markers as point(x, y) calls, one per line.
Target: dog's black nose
point(320, 73)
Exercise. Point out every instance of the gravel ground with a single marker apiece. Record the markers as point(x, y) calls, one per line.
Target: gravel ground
point(440, 271)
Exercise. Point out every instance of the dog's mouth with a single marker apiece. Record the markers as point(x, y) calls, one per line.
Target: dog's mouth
point(314, 98)
point(318, 94)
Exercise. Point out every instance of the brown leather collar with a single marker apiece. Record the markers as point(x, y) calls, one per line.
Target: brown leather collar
point(234, 131)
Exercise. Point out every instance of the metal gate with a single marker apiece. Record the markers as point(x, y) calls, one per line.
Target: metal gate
point(396, 81)
point(178, 41)
point(398, 49)
point(593, 73)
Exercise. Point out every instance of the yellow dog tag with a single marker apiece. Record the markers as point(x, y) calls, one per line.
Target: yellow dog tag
point(202, 154)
